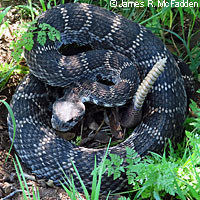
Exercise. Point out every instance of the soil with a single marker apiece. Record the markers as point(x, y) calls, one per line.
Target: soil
point(9, 184)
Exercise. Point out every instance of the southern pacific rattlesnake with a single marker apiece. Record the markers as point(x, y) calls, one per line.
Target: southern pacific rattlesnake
point(163, 111)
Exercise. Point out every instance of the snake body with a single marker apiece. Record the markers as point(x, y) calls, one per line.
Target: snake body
point(163, 111)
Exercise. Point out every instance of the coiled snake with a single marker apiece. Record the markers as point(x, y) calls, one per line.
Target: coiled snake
point(163, 111)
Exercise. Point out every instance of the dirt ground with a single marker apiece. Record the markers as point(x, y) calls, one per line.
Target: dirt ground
point(9, 184)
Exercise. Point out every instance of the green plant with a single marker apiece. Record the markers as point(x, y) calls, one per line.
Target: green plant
point(13, 123)
point(42, 2)
point(155, 175)
point(29, 10)
point(49, 6)
point(47, 30)
point(4, 13)
point(23, 184)
point(96, 181)
point(24, 39)
point(68, 182)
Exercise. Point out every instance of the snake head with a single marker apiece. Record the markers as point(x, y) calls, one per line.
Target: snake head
point(67, 112)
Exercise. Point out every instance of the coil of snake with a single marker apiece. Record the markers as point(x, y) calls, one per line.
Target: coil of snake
point(124, 50)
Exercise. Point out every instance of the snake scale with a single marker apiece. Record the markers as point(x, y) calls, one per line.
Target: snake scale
point(163, 111)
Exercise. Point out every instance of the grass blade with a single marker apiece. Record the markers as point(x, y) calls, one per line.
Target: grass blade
point(87, 196)
point(14, 125)
point(20, 180)
point(22, 175)
point(43, 5)
point(72, 191)
point(94, 179)
point(3, 13)
point(31, 9)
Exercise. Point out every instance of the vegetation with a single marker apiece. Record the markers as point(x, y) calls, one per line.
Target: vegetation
point(175, 174)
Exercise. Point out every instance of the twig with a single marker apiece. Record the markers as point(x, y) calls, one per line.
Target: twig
point(11, 194)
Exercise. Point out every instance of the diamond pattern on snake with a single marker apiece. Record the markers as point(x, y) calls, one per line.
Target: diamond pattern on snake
point(122, 52)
